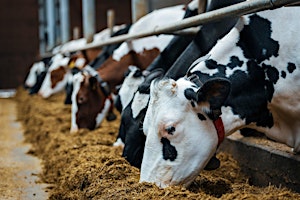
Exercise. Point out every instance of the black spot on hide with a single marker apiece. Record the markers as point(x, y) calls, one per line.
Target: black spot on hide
point(169, 151)
point(291, 67)
point(235, 62)
point(283, 74)
point(272, 73)
point(255, 40)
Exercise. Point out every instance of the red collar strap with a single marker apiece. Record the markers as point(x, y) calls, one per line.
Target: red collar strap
point(220, 130)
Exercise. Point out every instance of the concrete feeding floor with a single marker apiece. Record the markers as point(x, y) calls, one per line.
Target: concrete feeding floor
point(18, 170)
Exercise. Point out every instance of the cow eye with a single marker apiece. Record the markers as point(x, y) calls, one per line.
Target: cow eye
point(170, 130)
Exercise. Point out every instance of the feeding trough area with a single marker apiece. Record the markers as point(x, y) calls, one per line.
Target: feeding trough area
point(195, 101)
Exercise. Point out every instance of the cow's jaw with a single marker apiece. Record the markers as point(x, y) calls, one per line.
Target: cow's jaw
point(175, 156)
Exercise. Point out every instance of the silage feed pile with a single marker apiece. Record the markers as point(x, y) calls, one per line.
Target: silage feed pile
point(85, 165)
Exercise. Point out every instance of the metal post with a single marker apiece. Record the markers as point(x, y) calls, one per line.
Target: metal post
point(76, 33)
point(229, 11)
point(111, 20)
point(64, 20)
point(139, 8)
point(50, 16)
point(57, 23)
point(89, 20)
point(42, 25)
point(201, 6)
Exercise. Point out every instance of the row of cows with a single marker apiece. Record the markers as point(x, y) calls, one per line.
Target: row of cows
point(179, 96)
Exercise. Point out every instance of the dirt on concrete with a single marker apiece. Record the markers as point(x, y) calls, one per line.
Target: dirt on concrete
point(85, 165)
point(18, 170)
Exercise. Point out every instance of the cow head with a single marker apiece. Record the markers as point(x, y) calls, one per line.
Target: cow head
point(91, 100)
point(180, 129)
point(59, 73)
point(56, 77)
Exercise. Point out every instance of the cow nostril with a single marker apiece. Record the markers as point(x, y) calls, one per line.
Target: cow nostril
point(170, 130)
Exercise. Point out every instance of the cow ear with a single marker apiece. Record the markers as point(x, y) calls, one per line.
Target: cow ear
point(215, 91)
point(93, 83)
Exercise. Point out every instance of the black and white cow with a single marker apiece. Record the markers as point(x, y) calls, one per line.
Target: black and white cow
point(175, 59)
point(250, 79)
point(133, 95)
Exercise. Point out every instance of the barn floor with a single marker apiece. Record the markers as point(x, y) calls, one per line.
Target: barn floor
point(18, 170)
point(85, 165)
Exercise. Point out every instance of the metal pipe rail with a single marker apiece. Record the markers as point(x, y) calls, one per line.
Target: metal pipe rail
point(238, 9)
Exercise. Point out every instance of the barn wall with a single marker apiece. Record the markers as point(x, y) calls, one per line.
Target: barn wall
point(18, 40)
point(19, 33)
point(122, 12)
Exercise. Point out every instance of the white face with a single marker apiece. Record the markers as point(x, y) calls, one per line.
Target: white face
point(179, 144)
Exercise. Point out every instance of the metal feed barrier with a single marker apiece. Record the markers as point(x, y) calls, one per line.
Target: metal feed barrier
point(229, 11)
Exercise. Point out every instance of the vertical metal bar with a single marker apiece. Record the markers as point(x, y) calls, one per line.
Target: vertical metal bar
point(201, 6)
point(42, 30)
point(64, 20)
point(76, 33)
point(139, 8)
point(89, 20)
point(229, 11)
point(57, 23)
point(50, 12)
point(111, 20)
